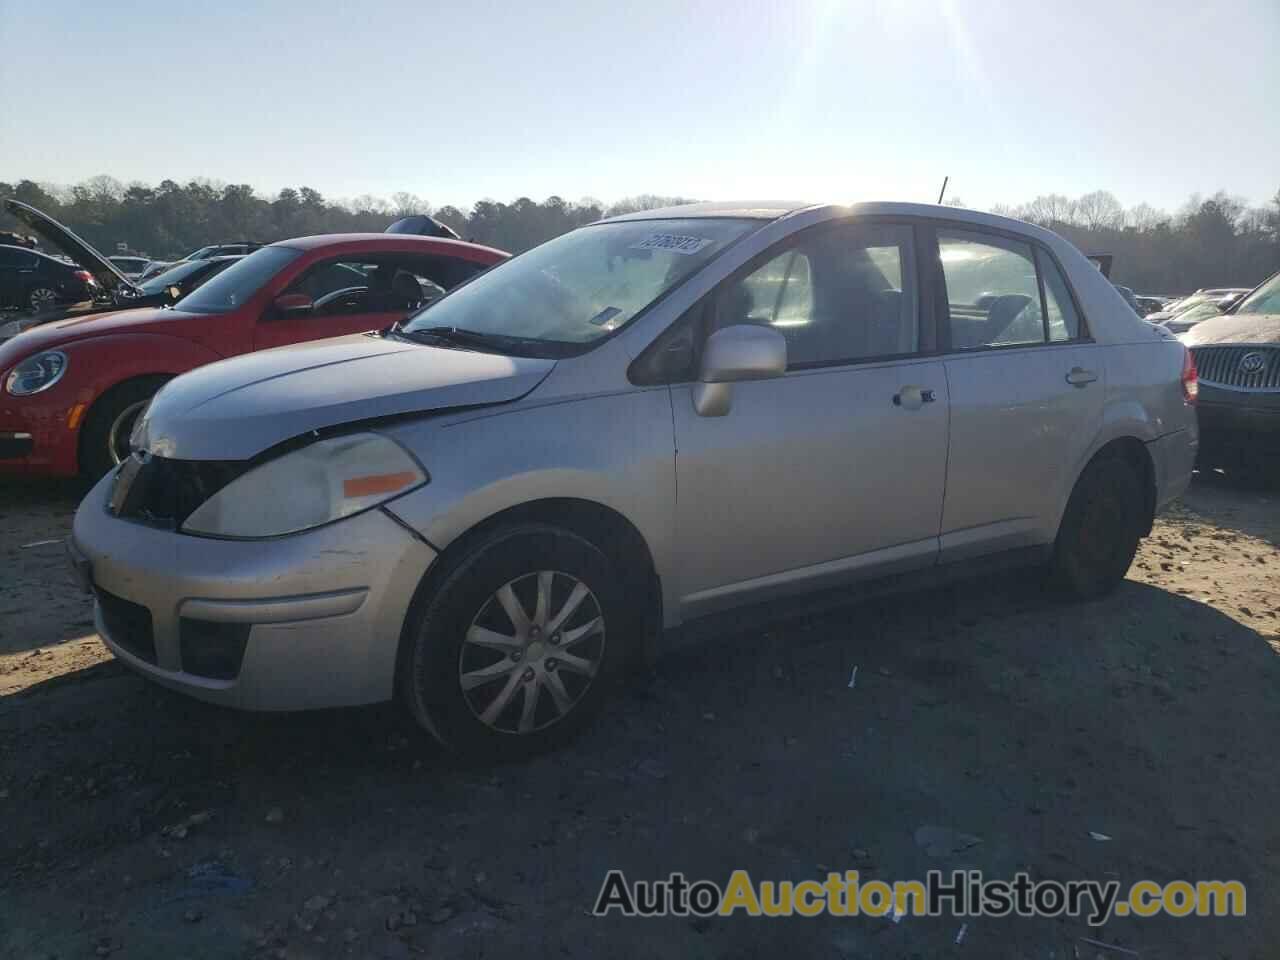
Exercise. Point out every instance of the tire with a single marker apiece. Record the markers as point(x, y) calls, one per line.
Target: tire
point(453, 687)
point(41, 298)
point(1100, 530)
point(105, 434)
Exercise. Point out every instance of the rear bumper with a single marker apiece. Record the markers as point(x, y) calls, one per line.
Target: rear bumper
point(298, 622)
point(1173, 457)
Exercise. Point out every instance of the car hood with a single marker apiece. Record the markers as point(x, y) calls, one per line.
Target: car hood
point(1235, 328)
point(60, 238)
point(235, 409)
point(100, 321)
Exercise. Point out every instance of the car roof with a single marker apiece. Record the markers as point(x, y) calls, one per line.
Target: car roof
point(776, 210)
point(38, 253)
point(736, 210)
point(393, 243)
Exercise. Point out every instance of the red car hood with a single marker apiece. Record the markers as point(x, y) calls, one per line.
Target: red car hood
point(50, 336)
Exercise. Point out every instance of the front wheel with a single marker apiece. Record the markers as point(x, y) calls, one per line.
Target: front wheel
point(104, 438)
point(1100, 530)
point(518, 646)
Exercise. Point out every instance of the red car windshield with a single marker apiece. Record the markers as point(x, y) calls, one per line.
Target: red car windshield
point(230, 289)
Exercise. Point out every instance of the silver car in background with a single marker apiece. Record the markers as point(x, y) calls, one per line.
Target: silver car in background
point(494, 507)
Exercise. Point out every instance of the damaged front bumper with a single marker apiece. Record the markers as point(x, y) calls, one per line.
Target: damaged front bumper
point(296, 622)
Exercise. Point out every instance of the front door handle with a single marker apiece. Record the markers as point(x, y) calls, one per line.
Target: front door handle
point(913, 397)
point(1080, 377)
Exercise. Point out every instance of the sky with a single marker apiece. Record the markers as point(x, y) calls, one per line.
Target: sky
point(833, 100)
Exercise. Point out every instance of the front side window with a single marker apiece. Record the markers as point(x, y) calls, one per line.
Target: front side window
point(992, 291)
point(838, 296)
point(233, 287)
point(1266, 299)
point(385, 283)
point(578, 288)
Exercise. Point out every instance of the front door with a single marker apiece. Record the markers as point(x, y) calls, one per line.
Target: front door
point(1026, 393)
point(834, 470)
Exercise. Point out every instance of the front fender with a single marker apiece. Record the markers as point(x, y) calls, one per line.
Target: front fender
point(97, 364)
point(617, 451)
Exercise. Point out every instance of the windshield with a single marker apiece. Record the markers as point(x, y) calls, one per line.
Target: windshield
point(240, 281)
point(1266, 299)
point(174, 275)
point(580, 287)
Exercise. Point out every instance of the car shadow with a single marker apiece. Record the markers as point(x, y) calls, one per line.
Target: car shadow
point(1248, 505)
point(992, 708)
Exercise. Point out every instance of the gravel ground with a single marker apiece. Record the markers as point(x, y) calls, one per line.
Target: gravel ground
point(138, 823)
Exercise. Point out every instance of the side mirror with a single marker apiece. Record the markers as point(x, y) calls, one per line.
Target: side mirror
point(293, 305)
point(740, 352)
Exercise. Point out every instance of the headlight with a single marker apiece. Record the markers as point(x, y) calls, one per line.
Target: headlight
point(36, 373)
point(320, 483)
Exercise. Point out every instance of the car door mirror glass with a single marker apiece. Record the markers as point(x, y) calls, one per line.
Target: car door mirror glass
point(743, 352)
point(293, 305)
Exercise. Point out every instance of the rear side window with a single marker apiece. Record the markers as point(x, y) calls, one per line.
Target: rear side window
point(16, 258)
point(992, 291)
point(1064, 322)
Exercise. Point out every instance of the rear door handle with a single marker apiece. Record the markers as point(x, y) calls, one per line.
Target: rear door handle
point(1080, 377)
point(913, 397)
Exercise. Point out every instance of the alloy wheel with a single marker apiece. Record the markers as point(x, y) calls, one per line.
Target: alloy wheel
point(532, 652)
point(41, 298)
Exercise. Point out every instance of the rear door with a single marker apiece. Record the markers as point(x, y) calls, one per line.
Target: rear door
point(1027, 390)
point(834, 470)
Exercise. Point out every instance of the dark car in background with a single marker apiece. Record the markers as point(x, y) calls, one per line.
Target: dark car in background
point(129, 265)
point(1237, 355)
point(232, 248)
point(166, 289)
point(421, 225)
point(32, 280)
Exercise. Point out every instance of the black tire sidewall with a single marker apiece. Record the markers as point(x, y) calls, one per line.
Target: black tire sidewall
point(95, 458)
point(429, 681)
point(1072, 570)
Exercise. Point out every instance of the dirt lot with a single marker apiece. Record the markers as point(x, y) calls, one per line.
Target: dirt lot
point(137, 823)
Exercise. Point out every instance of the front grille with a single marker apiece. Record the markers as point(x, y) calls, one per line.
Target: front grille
point(166, 492)
point(128, 625)
point(213, 650)
point(1221, 366)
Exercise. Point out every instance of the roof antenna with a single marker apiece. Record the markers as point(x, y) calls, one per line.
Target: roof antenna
point(944, 189)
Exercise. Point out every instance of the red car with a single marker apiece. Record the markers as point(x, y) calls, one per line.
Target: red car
point(70, 391)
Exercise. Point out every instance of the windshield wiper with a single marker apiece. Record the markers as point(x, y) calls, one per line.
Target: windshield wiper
point(494, 342)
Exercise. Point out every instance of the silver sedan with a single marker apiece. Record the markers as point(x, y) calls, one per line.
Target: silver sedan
point(494, 508)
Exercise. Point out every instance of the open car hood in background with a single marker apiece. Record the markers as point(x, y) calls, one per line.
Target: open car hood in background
point(60, 238)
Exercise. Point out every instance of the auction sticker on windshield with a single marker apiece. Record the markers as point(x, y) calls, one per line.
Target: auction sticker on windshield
point(672, 243)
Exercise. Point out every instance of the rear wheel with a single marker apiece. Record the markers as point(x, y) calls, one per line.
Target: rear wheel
point(1100, 529)
point(41, 298)
point(517, 648)
point(104, 438)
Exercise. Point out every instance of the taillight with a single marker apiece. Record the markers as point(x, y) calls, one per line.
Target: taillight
point(1190, 379)
point(84, 276)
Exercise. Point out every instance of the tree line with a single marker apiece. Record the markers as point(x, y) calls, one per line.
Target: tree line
point(1210, 242)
